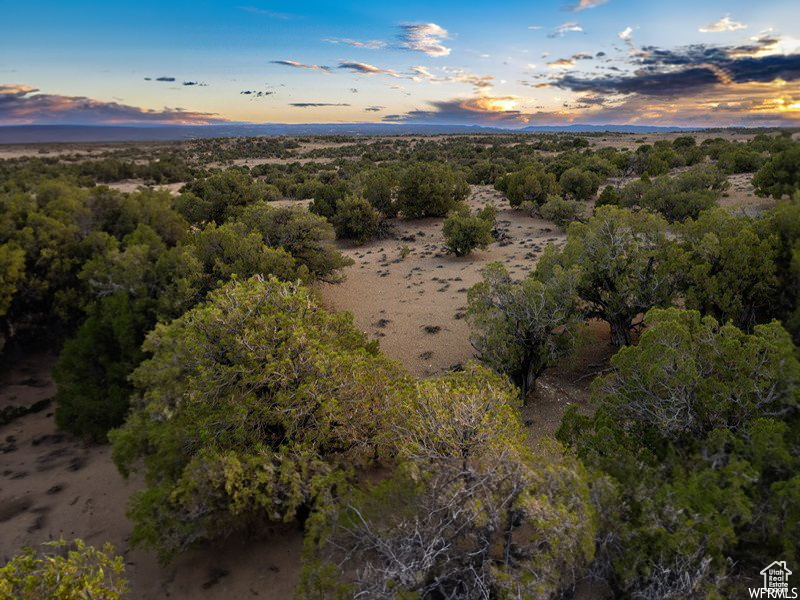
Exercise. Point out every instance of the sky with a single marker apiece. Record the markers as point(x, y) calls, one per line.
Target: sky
point(508, 64)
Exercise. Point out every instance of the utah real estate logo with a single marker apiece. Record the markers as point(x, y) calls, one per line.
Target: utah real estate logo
point(776, 582)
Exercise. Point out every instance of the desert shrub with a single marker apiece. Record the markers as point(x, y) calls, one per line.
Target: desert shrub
point(782, 224)
point(463, 232)
point(223, 192)
point(561, 211)
point(626, 264)
point(677, 198)
point(12, 269)
point(232, 250)
point(470, 512)
point(780, 175)
point(120, 214)
point(531, 184)
point(72, 571)
point(379, 187)
point(93, 368)
point(608, 196)
point(578, 184)
point(270, 399)
point(307, 237)
point(430, 190)
point(730, 271)
point(521, 328)
point(740, 159)
point(356, 219)
point(694, 451)
point(327, 197)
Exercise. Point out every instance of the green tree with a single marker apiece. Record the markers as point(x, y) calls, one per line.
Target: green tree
point(579, 184)
point(222, 194)
point(531, 184)
point(306, 236)
point(379, 187)
point(430, 190)
point(252, 407)
point(730, 271)
point(780, 175)
point(12, 270)
point(356, 219)
point(561, 211)
point(694, 453)
point(521, 328)
point(72, 571)
point(626, 266)
point(471, 512)
point(464, 232)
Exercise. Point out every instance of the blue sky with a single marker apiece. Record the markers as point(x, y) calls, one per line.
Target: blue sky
point(709, 62)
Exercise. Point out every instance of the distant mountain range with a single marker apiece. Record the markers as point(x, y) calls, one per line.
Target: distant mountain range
point(20, 134)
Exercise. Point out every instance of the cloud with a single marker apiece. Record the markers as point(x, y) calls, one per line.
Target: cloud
point(583, 5)
point(724, 24)
point(165, 79)
point(256, 93)
point(315, 104)
point(20, 104)
point(15, 90)
point(534, 26)
point(478, 110)
point(673, 73)
point(568, 63)
point(374, 108)
point(197, 83)
point(299, 65)
point(481, 82)
point(368, 45)
point(562, 63)
point(565, 28)
point(366, 69)
point(266, 13)
point(625, 34)
point(424, 37)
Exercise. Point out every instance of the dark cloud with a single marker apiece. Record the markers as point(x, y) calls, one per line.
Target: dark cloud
point(165, 79)
point(20, 104)
point(478, 110)
point(697, 68)
point(256, 93)
point(374, 108)
point(197, 83)
point(315, 104)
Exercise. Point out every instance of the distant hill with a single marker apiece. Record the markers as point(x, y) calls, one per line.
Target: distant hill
point(21, 134)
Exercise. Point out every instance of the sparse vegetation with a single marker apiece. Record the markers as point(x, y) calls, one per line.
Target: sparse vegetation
point(191, 334)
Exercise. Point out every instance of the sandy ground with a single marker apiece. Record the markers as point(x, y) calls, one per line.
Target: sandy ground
point(52, 486)
point(131, 185)
point(740, 198)
point(415, 305)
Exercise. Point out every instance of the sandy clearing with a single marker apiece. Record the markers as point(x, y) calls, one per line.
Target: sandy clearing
point(395, 299)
